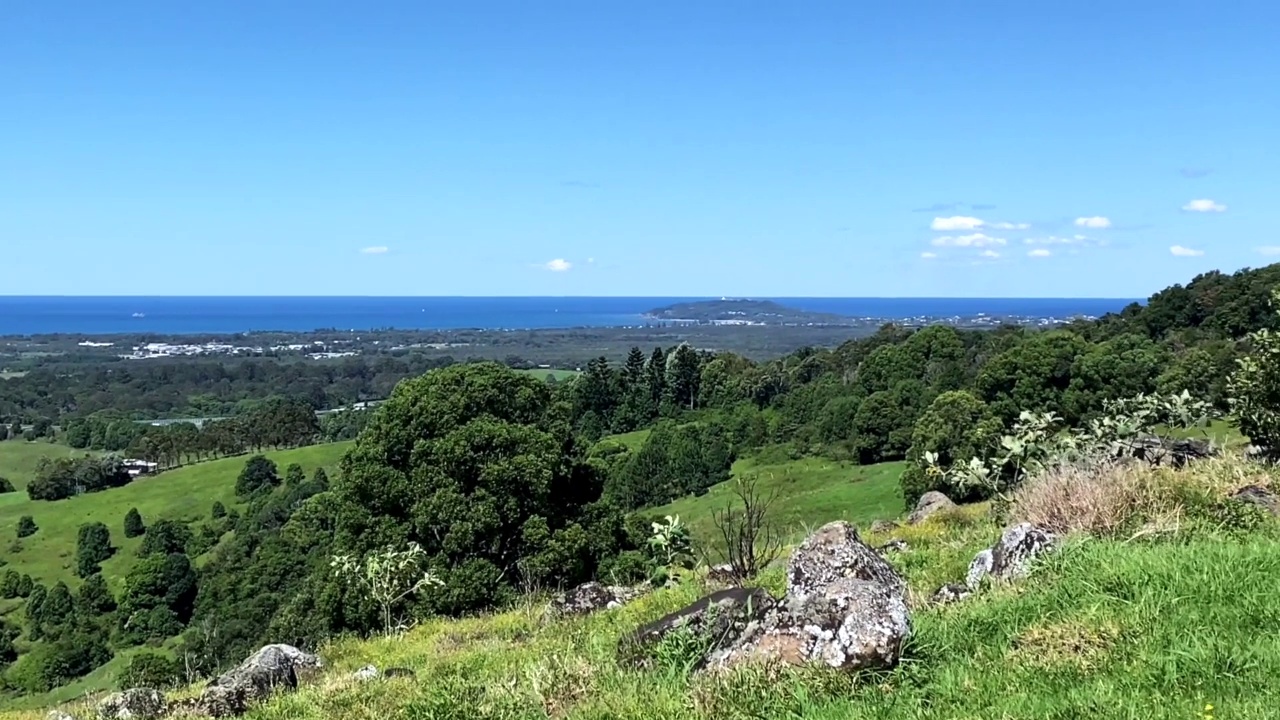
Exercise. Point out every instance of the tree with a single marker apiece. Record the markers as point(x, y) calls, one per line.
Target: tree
point(5, 485)
point(294, 475)
point(94, 598)
point(320, 479)
point(133, 526)
point(159, 582)
point(470, 463)
point(388, 576)
point(25, 586)
point(218, 511)
point(93, 545)
point(10, 585)
point(153, 670)
point(751, 539)
point(956, 427)
point(258, 474)
point(684, 374)
point(26, 526)
point(165, 537)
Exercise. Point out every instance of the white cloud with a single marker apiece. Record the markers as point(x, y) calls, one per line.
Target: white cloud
point(375, 250)
point(558, 265)
point(1011, 226)
point(1093, 222)
point(1039, 252)
point(1204, 205)
point(990, 254)
point(958, 222)
point(1181, 251)
point(972, 240)
point(1268, 250)
point(928, 255)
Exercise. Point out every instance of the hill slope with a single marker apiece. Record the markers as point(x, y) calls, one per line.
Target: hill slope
point(185, 493)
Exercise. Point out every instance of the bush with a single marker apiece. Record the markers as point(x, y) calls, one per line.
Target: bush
point(6, 486)
point(133, 526)
point(153, 670)
point(219, 510)
point(258, 474)
point(165, 538)
point(26, 526)
point(93, 545)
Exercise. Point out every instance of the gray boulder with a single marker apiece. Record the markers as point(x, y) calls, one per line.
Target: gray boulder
point(1174, 453)
point(719, 619)
point(133, 704)
point(1260, 496)
point(59, 715)
point(1020, 545)
point(950, 593)
point(366, 673)
point(592, 597)
point(929, 504)
point(849, 624)
point(834, 553)
point(272, 668)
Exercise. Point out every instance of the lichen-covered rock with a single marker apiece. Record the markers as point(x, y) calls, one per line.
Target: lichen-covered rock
point(950, 593)
point(272, 668)
point(366, 673)
point(133, 704)
point(884, 526)
point(1260, 496)
point(833, 553)
point(592, 597)
point(850, 624)
point(1174, 453)
point(722, 574)
point(719, 618)
point(979, 568)
point(1012, 556)
point(929, 504)
point(59, 715)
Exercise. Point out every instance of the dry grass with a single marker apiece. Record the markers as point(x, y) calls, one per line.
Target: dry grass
point(1112, 498)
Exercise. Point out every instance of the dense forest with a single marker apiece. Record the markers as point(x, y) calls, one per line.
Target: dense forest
point(510, 484)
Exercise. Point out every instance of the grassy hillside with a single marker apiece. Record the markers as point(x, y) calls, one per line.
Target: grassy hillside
point(810, 492)
point(18, 459)
point(1123, 625)
point(185, 493)
point(559, 375)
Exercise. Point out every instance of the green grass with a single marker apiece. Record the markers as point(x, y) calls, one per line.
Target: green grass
point(809, 492)
point(632, 440)
point(18, 459)
point(185, 493)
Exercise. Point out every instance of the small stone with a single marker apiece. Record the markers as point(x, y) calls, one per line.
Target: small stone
point(884, 526)
point(979, 568)
point(929, 504)
point(720, 618)
point(592, 597)
point(366, 673)
point(894, 545)
point(950, 593)
point(1260, 496)
point(1021, 544)
point(59, 715)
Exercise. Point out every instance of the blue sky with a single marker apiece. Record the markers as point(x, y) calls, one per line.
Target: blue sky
point(662, 148)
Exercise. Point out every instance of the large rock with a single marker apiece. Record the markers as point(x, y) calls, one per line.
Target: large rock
point(592, 597)
point(133, 704)
point(884, 526)
point(849, 624)
point(272, 668)
point(979, 568)
point(930, 504)
point(834, 553)
point(59, 715)
point(1260, 496)
point(1021, 544)
point(719, 620)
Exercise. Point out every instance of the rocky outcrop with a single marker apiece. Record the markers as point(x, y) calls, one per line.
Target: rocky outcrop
point(133, 704)
point(1260, 496)
point(833, 553)
point(272, 668)
point(592, 597)
point(950, 593)
point(1173, 453)
point(848, 624)
point(719, 620)
point(59, 715)
point(929, 504)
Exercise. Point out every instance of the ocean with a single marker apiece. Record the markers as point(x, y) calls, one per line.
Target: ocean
point(208, 315)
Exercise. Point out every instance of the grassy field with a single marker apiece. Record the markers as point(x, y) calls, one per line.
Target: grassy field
point(185, 493)
point(559, 375)
point(6, 374)
point(632, 440)
point(1153, 627)
point(18, 459)
point(809, 492)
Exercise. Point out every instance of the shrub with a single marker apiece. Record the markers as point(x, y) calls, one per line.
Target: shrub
point(258, 474)
point(93, 545)
point(133, 526)
point(165, 538)
point(6, 486)
point(26, 526)
point(153, 670)
point(219, 510)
